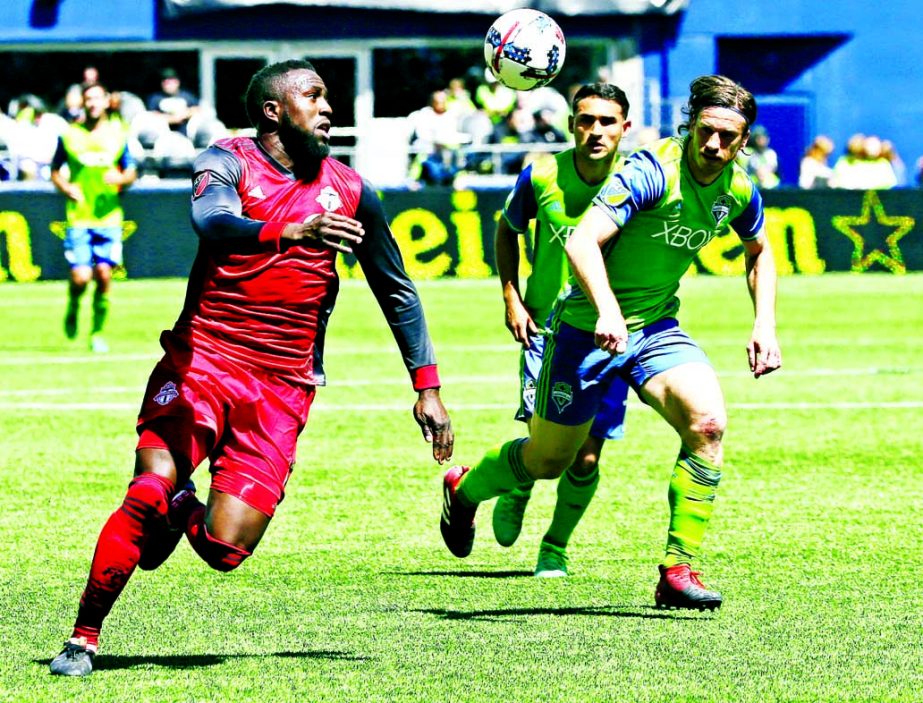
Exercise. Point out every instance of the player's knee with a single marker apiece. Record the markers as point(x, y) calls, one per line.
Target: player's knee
point(148, 497)
point(585, 464)
point(549, 466)
point(709, 429)
point(222, 556)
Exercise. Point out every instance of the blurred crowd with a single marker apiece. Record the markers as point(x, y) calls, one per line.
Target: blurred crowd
point(867, 163)
point(165, 129)
point(472, 126)
point(480, 129)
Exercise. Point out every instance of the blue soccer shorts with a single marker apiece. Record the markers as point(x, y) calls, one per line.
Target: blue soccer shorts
point(577, 376)
point(610, 417)
point(89, 246)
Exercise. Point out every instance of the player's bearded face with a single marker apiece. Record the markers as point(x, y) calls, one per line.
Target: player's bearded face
point(301, 144)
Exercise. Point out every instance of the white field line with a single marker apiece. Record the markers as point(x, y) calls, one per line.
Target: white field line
point(321, 406)
point(504, 379)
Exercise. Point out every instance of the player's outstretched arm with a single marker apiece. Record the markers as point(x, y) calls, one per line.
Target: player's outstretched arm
point(763, 351)
point(586, 261)
point(506, 248)
point(434, 421)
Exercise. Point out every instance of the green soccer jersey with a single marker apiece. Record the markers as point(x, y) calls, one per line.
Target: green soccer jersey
point(89, 155)
point(664, 218)
point(551, 192)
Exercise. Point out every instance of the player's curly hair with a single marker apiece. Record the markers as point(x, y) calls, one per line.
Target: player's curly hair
point(267, 84)
point(606, 91)
point(718, 91)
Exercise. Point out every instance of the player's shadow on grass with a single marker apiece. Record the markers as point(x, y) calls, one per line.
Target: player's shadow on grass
point(467, 574)
point(614, 611)
point(200, 661)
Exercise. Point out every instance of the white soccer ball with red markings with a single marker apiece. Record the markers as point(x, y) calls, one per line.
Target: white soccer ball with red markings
point(524, 49)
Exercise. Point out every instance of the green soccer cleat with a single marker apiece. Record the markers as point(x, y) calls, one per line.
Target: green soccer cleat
point(76, 659)
point(552, 561)
point(507, 518)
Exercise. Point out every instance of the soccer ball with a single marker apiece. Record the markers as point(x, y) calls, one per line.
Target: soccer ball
point(524, 49)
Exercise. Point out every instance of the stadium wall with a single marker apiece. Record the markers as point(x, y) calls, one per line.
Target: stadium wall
point(450, 233)
point(816, 67)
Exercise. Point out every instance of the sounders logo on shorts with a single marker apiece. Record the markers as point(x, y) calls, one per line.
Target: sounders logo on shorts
point(166, 394)
point(562, 394)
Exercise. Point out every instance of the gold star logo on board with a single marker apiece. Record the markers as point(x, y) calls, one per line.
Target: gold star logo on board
point(893, 260)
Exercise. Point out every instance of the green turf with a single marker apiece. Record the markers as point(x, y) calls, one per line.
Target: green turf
point(816, 540)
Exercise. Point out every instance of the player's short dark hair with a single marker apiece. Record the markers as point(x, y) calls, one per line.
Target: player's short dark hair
point(84, 87)
point(267, 84)
point(606, 91)
point(718, 91)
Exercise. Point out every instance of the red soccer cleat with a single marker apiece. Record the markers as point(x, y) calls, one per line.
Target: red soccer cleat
point(457, 520)
point(680, 587)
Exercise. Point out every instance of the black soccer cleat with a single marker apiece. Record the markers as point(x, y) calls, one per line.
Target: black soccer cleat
point(74, 660)
point(680, 587)
point(457, 521)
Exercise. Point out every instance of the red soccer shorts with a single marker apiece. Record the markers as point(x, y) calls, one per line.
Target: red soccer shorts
point(200, 405)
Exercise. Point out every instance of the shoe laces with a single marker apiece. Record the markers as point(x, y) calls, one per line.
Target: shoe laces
point(694, 577)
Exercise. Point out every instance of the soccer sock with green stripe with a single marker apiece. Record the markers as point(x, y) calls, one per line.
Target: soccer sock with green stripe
point(574, 495)
point(500, 471)
point(693, 488)
point(100, 310)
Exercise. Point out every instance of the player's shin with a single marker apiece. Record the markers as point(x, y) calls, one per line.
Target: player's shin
point(574, 496)
point(693, 488)
point(100, 310)
point(118, 550)
point(500, 471)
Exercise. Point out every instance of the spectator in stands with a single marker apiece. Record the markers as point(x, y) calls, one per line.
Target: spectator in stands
point(458, 100)
point(511, 132)
point(863, 167)
point(90, 75)
point(543, 130)
point(889, 152)
point(435, 137)
point(175, 103)
point(36, 135)
point(762, 164)
point(814, 171)
point(847, 171)
point(71, 107)
point(494, 98)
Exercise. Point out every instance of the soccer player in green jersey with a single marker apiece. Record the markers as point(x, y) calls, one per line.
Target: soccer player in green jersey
point(555, 190)
point(627, 256)
point(99, 166)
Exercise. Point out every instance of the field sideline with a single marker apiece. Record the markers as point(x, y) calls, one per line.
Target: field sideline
point(816, 543)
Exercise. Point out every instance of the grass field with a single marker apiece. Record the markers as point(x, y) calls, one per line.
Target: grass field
point(817, 540)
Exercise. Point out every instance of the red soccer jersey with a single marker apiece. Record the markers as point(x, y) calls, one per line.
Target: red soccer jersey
point(267, 305)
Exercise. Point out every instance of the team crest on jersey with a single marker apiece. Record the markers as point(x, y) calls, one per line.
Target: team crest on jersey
point(721, 208)
point(329, 199)
point(199, 184)
point(166, 394)
point(614, 194)
point(562, 394)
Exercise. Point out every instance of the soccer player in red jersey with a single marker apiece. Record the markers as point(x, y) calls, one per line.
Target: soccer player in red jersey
point(242, 361)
